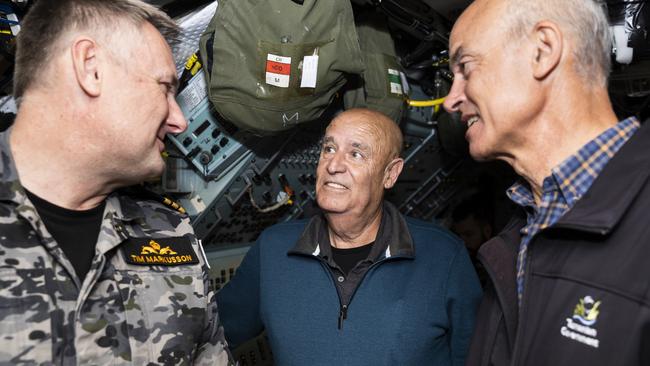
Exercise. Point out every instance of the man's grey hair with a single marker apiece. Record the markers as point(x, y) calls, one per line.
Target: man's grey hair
point(48, 21)
point(585, 23)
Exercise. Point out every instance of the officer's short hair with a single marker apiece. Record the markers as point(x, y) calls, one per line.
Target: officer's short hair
point(48, 21)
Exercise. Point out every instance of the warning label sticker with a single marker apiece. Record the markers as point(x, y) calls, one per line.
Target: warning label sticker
point(309, 72)
point(278, 69)
point(395, 82)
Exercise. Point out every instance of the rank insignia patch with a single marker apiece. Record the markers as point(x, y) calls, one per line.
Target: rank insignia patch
point(159, 252)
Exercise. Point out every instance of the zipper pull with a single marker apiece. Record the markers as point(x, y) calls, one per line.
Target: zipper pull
point(343, 314)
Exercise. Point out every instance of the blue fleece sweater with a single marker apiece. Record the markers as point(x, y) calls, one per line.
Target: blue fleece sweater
point(415, 309)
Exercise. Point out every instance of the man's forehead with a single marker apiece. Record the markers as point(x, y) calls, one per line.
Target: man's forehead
point(459, 32)
point(156, 55)
point(463, 23)
point(356, 132)
point(472, 25)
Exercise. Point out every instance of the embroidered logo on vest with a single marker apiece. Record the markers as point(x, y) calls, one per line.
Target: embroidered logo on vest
point(580, 327)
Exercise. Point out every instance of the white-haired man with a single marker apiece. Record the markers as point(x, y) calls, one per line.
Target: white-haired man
point(569, 279)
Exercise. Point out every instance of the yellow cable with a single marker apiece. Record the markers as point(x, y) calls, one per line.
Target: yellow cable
point(426, 103)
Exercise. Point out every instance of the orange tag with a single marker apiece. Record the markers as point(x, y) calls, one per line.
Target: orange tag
point(278, 69)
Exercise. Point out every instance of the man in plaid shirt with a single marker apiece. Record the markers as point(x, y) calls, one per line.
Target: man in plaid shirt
point(569, 277)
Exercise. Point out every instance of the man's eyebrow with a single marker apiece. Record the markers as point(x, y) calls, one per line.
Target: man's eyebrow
point(171, 80)
point(455, 56)
point(174, 82)
point(328, 139)
point(361, 146)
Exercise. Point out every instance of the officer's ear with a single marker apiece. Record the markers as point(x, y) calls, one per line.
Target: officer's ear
point(548, 47)
point(392, 172)
point(84, 52)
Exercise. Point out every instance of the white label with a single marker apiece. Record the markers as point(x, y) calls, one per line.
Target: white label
point(194, 93)
point(278, 70)
point(15, 28)
point(405, 83)
point(309, 72)
point(278, 80)
point(395, 81)
point(280, 59)
point(395, 88)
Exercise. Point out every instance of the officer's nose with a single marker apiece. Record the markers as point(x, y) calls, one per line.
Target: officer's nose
point(176, 122)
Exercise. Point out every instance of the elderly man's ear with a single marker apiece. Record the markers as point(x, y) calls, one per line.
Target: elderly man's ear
point(392, 172)
point(84, 52)
point(548, 46)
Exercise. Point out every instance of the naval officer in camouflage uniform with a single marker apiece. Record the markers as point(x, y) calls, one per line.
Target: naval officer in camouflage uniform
point(90, 275)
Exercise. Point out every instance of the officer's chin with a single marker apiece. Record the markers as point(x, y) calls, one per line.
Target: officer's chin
point(152, 174)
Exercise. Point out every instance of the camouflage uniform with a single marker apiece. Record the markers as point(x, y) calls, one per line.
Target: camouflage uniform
point(123, 313)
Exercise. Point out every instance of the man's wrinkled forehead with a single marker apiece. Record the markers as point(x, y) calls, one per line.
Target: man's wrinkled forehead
point(355, 130)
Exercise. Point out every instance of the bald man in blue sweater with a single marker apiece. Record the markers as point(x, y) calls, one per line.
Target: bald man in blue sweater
point(359, 284)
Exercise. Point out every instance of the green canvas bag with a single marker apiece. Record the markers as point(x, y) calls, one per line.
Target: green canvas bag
point(272, 64)
point(382, 86)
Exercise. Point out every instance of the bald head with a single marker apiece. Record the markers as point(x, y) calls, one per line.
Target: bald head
point(359, 160)
point(583, 23)
point(383, 132)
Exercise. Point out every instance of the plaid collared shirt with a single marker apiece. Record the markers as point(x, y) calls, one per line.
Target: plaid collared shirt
point(567, 183)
